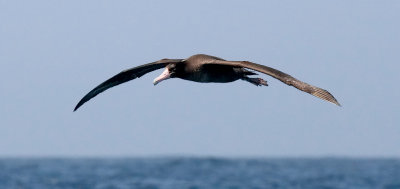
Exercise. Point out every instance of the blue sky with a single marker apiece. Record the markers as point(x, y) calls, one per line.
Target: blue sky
point(52, 53)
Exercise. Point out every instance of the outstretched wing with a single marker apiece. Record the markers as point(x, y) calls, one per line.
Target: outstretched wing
point(125, 76)
point(285, 78)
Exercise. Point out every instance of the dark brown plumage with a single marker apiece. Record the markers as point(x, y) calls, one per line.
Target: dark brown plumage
point(205, 69)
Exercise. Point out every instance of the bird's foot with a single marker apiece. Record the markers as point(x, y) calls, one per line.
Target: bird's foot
point(256, 81)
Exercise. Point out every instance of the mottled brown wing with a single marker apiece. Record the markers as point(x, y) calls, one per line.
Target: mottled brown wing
point(285, 78)
point(125, 76)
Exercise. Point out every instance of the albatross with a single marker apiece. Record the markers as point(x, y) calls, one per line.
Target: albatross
point(207, 69)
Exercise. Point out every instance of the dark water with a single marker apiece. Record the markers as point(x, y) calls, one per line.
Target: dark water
point(194, 173)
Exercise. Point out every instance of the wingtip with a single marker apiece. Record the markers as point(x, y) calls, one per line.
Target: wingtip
point(333, 101)
point(325, 95)
point(77, 106)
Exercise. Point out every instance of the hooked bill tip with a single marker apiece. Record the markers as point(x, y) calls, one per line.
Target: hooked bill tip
point(155, 82)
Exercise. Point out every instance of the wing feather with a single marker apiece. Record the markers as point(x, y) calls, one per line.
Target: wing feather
point(284, 77)
point(126, 76)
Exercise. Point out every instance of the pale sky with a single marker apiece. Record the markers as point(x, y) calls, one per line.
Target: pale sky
point(53, 52)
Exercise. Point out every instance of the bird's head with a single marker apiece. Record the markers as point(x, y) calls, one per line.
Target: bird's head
point(169, 72)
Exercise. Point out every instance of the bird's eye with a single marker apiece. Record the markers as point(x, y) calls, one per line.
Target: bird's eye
point(172, 67)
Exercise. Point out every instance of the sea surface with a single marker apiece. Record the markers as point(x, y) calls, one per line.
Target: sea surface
point(175, 173)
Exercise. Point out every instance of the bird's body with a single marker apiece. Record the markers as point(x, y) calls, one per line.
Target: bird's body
point(196, 69)
point(207, 69)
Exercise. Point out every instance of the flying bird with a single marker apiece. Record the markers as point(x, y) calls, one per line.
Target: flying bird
point(207, 69)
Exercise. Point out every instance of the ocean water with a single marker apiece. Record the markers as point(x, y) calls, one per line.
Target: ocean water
point(193, 173)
